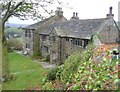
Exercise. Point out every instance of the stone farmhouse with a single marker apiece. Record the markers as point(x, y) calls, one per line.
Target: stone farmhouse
point(58, 37)
point(31, 32)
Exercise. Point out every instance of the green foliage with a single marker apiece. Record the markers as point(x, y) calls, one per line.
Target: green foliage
point(51, 75)
point(12, 31)
point(37, 55)
point(80, 72)
point(48, 86)
point(14, 44)
point(47, 58)
point(66, 72)
point(99, 76)
point(10, 49)
point(76, 87)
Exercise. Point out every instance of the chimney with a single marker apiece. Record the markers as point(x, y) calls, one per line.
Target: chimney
point(59, 11)
point(75, 16)
point(110, 15)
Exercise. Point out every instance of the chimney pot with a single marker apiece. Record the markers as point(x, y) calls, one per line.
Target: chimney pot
point(59, 11)
point(110, 15)
point(73, 14)
point(110, 10)
point(76, 15)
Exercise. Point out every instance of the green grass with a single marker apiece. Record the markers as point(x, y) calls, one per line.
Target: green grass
point(27, 74)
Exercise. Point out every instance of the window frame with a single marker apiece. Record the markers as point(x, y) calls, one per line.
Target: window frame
point(43, 37)
point(46, 49)
point(77, 42)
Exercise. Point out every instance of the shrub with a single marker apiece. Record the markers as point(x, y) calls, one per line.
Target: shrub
point(10, 49)
point(51, 74)
point(80, 72)
point(47, 58)
point(14, 44)
point(37, 55)
point(66, 72)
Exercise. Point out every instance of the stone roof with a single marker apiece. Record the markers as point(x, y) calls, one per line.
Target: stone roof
point(76, 28)
point(47, 27)
point(80, 28)
point(48, 30)
point(58, 17)
point(36, 25)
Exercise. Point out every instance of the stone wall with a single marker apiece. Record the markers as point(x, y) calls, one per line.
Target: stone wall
point(60, 48)
point(109, 34)
point(36, 41)
point(45, 45)
point(28, 40)
point(69, 48)
point(54, 49)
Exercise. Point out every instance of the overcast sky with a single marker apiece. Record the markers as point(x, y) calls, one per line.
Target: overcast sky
point(87, 9)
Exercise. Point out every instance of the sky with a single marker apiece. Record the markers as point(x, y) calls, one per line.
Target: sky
point(86, 9)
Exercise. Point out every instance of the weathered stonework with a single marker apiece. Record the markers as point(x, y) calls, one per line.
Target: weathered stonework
point(58, 37)
point(28, 41)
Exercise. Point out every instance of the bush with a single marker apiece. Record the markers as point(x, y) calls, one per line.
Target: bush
point(10, 49)
point(51, 75)
point(47, 58)
point(66, 72)
point(80, 72)
point(37, 55)
point(14, 44)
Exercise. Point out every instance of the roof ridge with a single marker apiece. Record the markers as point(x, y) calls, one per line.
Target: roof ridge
point(94, 19)
point(38, 22)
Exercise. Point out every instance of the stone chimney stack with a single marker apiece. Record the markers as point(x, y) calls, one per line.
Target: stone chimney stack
point(75, 16)
point(59, 11)
point(110, 15)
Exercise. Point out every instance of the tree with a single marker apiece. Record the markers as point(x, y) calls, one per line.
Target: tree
point(23, 9)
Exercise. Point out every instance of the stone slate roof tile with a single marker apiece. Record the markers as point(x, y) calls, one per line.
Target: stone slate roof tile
point(76, 28)
point(80, 28)
point(51, 24)
point(36, 25)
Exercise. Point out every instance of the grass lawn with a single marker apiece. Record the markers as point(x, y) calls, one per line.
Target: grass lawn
point(27, 74)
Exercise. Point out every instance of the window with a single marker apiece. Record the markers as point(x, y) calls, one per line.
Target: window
point(43, 37)
point(28, 33)
point(77, 42)
point(67, 39)
point(86, 42)
point(45, 48)
point(27, 45)
point(73, 41)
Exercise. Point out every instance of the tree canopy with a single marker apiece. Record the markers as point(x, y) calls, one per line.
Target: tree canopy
point(24, 9)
